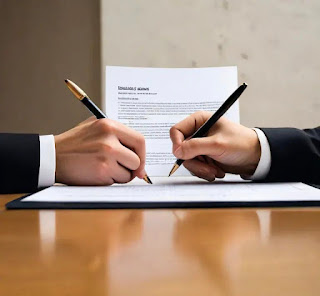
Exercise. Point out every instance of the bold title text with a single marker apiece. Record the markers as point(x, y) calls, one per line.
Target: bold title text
point(133, 88)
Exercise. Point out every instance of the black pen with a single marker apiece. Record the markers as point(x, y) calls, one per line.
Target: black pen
point(82, 96)
point(204, 129)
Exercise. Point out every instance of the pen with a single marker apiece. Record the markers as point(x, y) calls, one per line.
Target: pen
point(82, 96)
point(203, 130)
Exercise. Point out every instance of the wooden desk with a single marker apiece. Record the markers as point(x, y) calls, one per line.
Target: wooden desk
point(160, 252)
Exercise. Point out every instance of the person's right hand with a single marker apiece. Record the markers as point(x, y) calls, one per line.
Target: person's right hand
point(99, 152)
point(228, 148)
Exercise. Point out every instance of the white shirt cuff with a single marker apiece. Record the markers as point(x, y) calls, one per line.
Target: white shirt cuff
point(47, 168)
point(264, 164)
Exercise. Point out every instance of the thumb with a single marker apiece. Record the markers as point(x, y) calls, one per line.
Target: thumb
point(199, 146)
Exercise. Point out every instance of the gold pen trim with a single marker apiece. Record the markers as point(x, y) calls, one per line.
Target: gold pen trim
point(75, 89)
point(175, 167)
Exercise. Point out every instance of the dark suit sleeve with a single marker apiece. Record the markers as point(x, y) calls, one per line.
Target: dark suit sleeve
point(19, 162)
point(295, 154)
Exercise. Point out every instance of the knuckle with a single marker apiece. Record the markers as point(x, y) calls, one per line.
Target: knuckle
point(172, 131)
point(208, 173)
point(204, 114)
point(218, 141)
point(108, 149)
point(105, 152)
point(101, 157)
point(205, 172)
point(212, 172)
point(198, 113)
point(201, 114)
point(106, 125)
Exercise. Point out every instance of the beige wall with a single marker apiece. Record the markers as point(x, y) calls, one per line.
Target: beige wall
point(275, 45)
point(42, 43)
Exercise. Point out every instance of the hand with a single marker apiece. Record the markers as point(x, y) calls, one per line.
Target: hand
point(99, 152)
point(228, 148)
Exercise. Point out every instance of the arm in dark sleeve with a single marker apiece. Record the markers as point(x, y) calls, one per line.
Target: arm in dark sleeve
point(19, 162)
point(295, 154)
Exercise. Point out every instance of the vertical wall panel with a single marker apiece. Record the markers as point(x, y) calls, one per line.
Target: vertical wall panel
point(42, 43)
point(275, 45)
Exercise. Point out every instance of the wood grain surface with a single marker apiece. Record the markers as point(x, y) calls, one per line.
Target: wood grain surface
point(159, 252)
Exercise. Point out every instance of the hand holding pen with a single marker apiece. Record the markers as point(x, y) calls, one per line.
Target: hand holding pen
point(123, 149)
point(196, 129)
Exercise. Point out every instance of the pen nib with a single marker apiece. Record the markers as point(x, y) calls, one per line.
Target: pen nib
point(147, 179)
point(175, 167)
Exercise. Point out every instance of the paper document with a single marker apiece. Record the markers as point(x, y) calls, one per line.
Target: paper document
point(180, 189)
point(151, 100)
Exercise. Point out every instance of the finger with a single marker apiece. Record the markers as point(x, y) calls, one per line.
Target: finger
point(121, 174)
point(177, 137)
point(203, 158)
point(134, 141)
point(127, 137)
point(206, 159)
point(200, 146)
point(88, 120)
point(220, 172)
point(187, 127)
point(201, 169)
point(127, 158)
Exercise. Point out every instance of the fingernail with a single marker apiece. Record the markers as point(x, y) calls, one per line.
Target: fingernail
point(178, 152)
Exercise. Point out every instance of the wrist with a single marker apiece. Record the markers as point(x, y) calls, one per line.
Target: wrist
point(57, 140)
point(264, 164)
point(254, 153)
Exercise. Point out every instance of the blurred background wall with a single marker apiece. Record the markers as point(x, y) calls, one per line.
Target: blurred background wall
point(42, 43)
point(274, 43)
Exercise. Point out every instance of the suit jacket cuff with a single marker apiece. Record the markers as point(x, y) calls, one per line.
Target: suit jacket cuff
point(295, 154)
point(19, 162)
